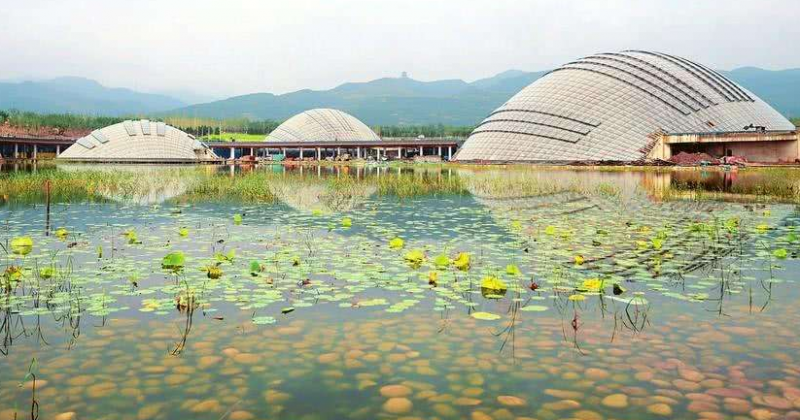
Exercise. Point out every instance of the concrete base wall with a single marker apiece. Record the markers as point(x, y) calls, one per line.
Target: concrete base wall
point(768, 152)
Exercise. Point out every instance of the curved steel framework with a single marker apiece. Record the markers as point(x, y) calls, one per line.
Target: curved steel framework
point(608, 107)
point(322, 125)
point(138, 141)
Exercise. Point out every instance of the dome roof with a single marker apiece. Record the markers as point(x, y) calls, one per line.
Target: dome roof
point(139, 141)
point(322, 125)
point(611, 106)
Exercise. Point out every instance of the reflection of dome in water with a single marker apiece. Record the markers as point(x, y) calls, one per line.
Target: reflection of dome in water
point(138, 141)
point(609, 106)
point(147, 184)
point(574, 211)
point(322, 125)
point(311, 195)
point(542, 195)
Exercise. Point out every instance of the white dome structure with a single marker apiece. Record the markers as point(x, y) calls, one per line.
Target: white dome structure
point(321, 125)
point(612, 107)
point(139, 141)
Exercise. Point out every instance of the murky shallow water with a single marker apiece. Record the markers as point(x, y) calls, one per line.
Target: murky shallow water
point(657, 295)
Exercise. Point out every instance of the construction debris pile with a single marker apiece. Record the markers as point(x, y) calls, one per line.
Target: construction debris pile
point(689, 159)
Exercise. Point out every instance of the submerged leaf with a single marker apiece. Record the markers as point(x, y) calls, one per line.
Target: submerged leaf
point(534, 308)
point(485, 316)
point(263, 320)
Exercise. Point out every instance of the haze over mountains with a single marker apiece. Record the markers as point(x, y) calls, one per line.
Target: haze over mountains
point(77, 95)
point(386, 101)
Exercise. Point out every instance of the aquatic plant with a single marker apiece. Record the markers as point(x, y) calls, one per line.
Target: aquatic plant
point(213, 271)
point(493, 284)
point(174, 260)
point(226, 257)
point(592, 285)
point(62, 233)
point(462, 261)
point(396, 243)
point(442, 261)
point(512, 270)
point(415, 258)
point(22, 245)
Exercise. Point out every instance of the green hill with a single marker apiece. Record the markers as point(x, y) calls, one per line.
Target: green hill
point(387, 101)
point(404, 101)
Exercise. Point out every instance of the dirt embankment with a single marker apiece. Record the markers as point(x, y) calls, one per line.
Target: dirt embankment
point(7, 130)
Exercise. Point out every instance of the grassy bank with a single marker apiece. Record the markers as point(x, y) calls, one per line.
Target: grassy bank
point(239, 137)
point(138, 184)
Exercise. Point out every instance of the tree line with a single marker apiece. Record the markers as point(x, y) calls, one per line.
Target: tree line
point(431, 130)
point(34, 120)
point(208, 126)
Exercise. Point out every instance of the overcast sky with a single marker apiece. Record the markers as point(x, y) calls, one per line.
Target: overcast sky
point(230, 47)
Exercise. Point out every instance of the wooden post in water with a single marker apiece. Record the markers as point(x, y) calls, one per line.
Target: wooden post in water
point(47, 207)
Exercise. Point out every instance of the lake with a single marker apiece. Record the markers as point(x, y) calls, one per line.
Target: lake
point(408, 292)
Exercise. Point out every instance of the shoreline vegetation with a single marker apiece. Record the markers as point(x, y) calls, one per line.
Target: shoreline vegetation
point(268, 184)
point(229, 129)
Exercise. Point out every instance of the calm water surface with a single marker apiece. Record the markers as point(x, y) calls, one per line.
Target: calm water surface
point(363, 293)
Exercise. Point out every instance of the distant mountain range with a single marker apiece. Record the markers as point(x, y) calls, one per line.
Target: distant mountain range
point(81, 96)
point(386, 101)
point(779, 88)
